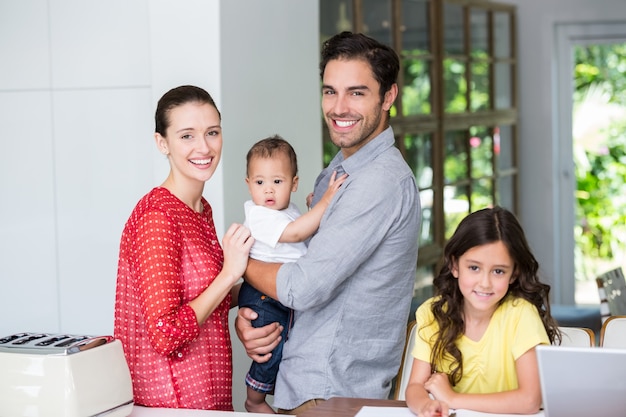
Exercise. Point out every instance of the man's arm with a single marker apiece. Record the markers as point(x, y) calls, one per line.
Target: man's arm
point(259, 341)
point(262, 276)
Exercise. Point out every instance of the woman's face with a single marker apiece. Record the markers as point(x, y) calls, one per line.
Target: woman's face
point(193, 142)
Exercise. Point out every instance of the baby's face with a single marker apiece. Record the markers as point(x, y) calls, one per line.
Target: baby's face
point(270, 181)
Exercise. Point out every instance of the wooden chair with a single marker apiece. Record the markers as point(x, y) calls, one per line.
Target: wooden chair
point(612, 292)
point(577, 337)
point(613, 333)
point(402, 380)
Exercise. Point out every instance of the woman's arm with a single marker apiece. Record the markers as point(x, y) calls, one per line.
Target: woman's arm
point(526, 399)
point(169, 323)
point(236, 245)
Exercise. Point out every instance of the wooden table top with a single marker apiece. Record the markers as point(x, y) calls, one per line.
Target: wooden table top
point(347, 407)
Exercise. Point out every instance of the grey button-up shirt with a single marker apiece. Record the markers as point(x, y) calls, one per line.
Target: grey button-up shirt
point(352, 290)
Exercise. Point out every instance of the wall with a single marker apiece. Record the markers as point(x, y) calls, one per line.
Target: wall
point(79, 81)
point(75, 124)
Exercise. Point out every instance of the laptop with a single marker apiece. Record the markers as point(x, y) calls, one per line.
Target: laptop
point(582, 381)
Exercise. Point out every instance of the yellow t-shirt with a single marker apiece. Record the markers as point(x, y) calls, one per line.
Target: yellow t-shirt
point(489, 364)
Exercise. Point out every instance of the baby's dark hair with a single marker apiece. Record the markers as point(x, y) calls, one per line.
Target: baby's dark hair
point(268, 147)
point(482, 227)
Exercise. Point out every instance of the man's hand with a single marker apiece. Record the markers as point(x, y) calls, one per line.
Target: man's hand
point(258, 341)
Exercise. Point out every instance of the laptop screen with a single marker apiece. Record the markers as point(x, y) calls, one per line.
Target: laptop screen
point(582, 382)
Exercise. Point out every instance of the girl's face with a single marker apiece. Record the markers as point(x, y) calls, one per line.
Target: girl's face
point(193, 142)
point(484, 274)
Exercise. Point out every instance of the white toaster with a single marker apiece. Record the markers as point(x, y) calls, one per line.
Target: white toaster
point(63, 375)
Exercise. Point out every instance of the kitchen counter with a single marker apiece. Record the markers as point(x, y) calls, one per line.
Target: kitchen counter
point(139, 411)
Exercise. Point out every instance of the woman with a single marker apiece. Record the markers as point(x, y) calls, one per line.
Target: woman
point(175, 284)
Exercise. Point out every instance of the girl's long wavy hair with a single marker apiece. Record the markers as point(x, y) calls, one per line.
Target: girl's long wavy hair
point(479, 228)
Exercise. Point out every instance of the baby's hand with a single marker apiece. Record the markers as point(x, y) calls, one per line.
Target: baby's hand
point(333, 187)
point(309, 200)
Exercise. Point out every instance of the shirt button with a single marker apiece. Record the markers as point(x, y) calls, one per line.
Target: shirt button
point(179, 354)
point(159, 323)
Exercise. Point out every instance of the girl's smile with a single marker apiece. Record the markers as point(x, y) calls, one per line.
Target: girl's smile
point(484, 273)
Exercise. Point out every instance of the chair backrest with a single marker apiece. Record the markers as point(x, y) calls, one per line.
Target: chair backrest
point(577, 336)
point(402, 380)
point(612, 291)
point(613, 333)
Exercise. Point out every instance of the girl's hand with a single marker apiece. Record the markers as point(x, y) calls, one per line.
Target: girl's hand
point(236, 244)
point(433, 408)
point(439, 386)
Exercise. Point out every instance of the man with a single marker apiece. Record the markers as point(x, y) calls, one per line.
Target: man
point(352, 291)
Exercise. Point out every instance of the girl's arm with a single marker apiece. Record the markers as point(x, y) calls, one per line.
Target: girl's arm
point(526, 399)
point(304, 226)
point(417, 398)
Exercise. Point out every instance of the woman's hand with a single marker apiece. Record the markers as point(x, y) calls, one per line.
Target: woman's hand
point(258, 341)
point(236, 245)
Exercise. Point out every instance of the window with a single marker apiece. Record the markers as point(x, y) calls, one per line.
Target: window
point(455, 118)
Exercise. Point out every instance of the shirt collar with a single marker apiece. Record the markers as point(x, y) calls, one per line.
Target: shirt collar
point(363, 156)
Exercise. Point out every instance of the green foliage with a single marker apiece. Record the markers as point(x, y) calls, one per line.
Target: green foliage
point(330, 150)
point(603, 65)
point(600, 160)
point(416, 91)
point(600, 196)
point(455, 86)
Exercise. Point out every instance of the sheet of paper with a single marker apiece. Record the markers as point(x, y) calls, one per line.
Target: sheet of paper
point(369, 411)
point(384, 411)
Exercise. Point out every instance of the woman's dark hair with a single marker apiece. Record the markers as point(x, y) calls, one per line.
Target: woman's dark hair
point(177, 97)
point(381, 58)
point(482, 227)
point(266, 148)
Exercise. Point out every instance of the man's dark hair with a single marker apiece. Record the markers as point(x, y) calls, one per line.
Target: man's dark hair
point(382, 59)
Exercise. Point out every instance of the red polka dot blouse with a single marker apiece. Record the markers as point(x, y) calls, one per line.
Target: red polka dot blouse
point(168, 255)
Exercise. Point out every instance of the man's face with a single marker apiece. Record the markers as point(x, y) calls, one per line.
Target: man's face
point(351, 104)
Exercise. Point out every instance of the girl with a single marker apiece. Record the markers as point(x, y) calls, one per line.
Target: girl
point(476, 341)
